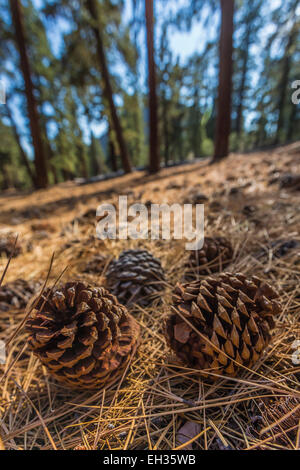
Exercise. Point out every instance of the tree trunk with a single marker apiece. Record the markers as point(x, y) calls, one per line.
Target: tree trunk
point(196, 135)
point(292, 121)
point(165, 119)
point(284, 82)
point(223, 124)
point(108, 93)
point(113, 156)
point(239, 114)
point(39, 155)
point(154, 163)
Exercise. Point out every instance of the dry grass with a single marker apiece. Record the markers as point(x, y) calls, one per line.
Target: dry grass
point(158, 395)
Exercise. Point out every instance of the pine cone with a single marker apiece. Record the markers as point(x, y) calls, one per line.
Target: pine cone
point(136, 277)
point(285, 412)
point(9, 247)
point(17, 294)
point(83, 335)
point(96, 264)
point(290, 181)
point(215, 254)
point(233, 315)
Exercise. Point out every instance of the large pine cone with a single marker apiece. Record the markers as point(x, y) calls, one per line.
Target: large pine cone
point(136, 277)
point(215, 255)
point(16, 294)
point(83, 335)
point(233, 315)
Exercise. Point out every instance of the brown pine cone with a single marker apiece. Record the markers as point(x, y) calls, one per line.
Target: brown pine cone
point(215, 255)
point(136, 277)
point(17, 294)
point(233, 315)
point(83, 335)
point(285, 412)
point(9, 246)
point(290, 181)
point(96, 264)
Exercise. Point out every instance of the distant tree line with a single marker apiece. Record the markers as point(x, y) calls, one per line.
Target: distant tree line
point(234, 95)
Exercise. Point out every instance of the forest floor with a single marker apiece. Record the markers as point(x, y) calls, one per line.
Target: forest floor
point(248, 199)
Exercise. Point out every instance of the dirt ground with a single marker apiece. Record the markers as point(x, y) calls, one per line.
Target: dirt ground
point(248, 198)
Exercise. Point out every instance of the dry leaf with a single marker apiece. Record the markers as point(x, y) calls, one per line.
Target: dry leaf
point(187, 432)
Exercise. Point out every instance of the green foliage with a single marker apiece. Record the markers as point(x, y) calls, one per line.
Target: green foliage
point(12, 174)
point(207, 145)
point(133, 125)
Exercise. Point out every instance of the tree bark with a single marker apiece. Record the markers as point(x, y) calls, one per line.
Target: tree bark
point(284, 84)
point(113, 156)
point(165, 119)
point(154, 161)
point(223, 124)
point(239, 117)
point(39, 154)
point(108, 92)
point(292, 121)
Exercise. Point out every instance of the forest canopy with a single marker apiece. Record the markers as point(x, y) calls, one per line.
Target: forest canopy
point(85, 102)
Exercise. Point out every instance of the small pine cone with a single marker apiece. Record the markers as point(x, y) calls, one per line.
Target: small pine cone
point(16, 294)
point(215, 254)
point(282, 418)
point(290, 181)
point(96, 264)
point(233, 315)
point(136, 277)
point(83, 335)
point(9, 246)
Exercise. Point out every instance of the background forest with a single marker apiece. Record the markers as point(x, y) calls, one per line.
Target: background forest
point(84, 110)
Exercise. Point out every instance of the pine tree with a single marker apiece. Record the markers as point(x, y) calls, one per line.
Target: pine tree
point(39, 153)
point(223, 123)
point(292, 21)
point(94, 13)
point(164, 75)
point(249, 24)
point(154, 163)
